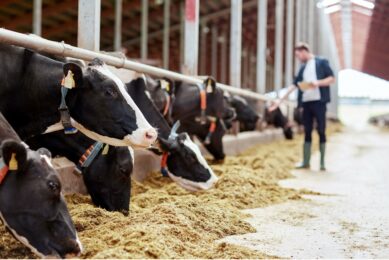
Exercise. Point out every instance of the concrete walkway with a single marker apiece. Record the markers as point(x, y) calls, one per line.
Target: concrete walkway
point(351, 220)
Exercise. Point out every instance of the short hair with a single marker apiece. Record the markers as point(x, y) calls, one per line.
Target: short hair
point(302, 46)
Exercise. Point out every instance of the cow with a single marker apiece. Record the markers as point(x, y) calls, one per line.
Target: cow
point(182, 160)
point(34, 87)
point(245, 114)
point(202, 110)
point(31, 204)
point(107, 172)
point(277, 119)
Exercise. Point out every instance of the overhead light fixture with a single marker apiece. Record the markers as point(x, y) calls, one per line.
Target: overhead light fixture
point(332, 9)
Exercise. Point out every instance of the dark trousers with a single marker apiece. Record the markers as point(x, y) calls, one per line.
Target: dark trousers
point(314, 110)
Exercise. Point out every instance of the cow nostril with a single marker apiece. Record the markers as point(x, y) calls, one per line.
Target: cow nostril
point(151, 134)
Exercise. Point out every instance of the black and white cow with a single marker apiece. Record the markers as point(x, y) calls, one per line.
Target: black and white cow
point(107, 176)
point(31, 204)
point(186, 106)
point(30, 95)
point(184, 161)
point(277, 119)
point(245, 114)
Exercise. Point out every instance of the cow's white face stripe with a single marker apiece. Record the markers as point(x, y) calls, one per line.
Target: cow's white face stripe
point(193, 147)
point(132, 154)
point(140, 119)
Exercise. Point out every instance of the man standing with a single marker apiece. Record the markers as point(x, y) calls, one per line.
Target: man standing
point(313, 80)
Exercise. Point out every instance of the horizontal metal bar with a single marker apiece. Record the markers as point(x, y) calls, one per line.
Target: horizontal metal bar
point(62, 49)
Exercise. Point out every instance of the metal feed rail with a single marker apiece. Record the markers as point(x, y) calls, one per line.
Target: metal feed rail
point(60, 48)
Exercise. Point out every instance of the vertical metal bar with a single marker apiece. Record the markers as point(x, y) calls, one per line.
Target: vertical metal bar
point(89, 24)
point(203, 49)
point(347, 33)
point(236, 43)
point(214, 52)
point(289, 42)
point(278, 60)
point(261, 45)
point(144, 29)
point(166, 34)
point(311, 24)
point(303, 20)
point(298, 30)
point(37, 18)
point(182, 33)
point(191, 36)
point(223, 59)
point(117, 44)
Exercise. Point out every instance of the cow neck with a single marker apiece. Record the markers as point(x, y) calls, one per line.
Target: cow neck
point(36, 83)
point(187, 102)
point(148, 108)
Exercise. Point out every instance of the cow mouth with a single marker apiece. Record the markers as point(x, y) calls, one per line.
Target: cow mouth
point(193, 186)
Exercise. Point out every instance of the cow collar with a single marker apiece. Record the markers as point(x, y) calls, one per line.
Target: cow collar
point(90, 154)
point(211, 130)
point(165, 155)
point(203, 104)
point(3, 170)
point(66, 84)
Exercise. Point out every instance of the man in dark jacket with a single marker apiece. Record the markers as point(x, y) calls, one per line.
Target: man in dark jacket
point(313, 81)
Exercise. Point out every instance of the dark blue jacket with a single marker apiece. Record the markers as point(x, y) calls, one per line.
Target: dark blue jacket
point(323, 70)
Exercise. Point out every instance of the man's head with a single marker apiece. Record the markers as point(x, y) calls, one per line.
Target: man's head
point(302, 52)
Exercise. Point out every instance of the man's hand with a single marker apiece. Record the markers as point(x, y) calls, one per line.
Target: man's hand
point(315, 84)
point(274, 105)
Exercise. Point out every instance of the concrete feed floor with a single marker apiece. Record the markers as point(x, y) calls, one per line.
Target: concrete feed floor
point(350, 219)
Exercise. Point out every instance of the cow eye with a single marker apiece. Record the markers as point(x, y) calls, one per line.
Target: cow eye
point(53, 186)
point(110, 92)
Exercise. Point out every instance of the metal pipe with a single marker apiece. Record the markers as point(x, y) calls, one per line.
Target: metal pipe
point(166, 34)
point(278, 60)
point(223, 58)
point(289, 43)
point(89, 24)
point(191, 54)
point(261, 45)
point(66, 50)
point(144, 29)
point(214, 52)
point(236, 43)
point(203, 49)
point(37, 18)
point(347, 33)
point(117, 44)
point(297, 31)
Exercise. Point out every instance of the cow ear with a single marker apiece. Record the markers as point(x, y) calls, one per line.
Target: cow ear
point(76, 73)
point(210, 84)
point(45, 152)
point(14, 154)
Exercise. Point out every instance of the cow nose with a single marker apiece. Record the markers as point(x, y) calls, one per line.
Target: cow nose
point(151, 134)
point(75, 249)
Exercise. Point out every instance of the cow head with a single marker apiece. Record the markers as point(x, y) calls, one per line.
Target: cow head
point(215, 98)
point(277, 119)
point(31, 204)
point(185, 163)
point(102, 108)
point(108, 179)
point(246, 116)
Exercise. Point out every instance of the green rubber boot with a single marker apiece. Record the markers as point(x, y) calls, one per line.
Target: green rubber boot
point(307, 157)
point(322, 156)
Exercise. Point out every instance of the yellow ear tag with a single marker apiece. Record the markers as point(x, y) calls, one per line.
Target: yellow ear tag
point(165, 85)
point(105, 150)
point(209, 86)
point(68, 81)
point(13, 163)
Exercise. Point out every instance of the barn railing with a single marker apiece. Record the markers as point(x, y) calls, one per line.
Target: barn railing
point(62, 49)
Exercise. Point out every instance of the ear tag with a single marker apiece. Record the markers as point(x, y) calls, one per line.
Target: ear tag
point(209, 86)
point(105, 150)
point(13, 163)
point(165, 85)
point(68, 81)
